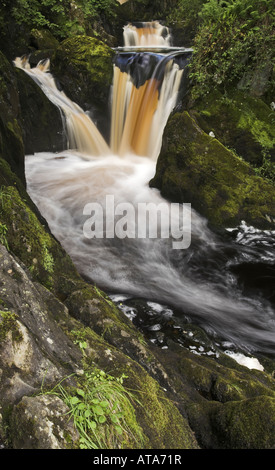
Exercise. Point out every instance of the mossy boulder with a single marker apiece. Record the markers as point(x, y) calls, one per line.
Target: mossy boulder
point(83, 66)
point(248, 424)
point(240, 122)
point(215, 392)
point(196, 168)
point(43, 39)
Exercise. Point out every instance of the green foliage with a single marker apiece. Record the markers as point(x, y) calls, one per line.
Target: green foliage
point(102, 410)
point(62, 17)
point(267, 169)
point(235, 38)
point(3, 233)
point(186, 13)
point(8, 323)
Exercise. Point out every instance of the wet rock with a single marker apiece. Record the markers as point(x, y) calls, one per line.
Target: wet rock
point(43, 39)
point(40, 120)
point(240, 122)
point(11, 136)
point(196, 168)
point(42, 423)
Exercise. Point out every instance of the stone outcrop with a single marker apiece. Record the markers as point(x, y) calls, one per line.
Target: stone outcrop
point(195, 167)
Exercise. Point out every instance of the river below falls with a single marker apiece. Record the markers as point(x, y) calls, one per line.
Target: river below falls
point(222, 284)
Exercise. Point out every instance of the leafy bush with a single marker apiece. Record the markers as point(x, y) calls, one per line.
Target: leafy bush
point(235, 37)
point(186, 13)
point(62, 17)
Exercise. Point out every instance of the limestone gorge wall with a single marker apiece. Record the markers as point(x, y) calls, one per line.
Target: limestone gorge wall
point(62, 338)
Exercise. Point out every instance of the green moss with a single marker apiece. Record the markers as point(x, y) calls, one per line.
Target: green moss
point(240, 122)
point(83, 65)
point(248, 424)
point(8, 323)
point(156, 421)
point(27, 238)
point(224, 381)
point(161, 420)
point(196, 168)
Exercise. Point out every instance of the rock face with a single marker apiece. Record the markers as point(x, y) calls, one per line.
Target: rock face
point(195, 167)
point(241, 122)
point(28, 121)
point(11, 135)
point(40, 120)
point(42, 423)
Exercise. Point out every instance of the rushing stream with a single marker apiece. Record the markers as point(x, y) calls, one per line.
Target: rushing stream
point(223, 284)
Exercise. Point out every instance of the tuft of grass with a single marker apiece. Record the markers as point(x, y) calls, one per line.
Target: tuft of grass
point(3, 235)
point(102, 411)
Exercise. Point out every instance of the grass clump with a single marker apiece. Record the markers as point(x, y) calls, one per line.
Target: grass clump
point(102, 411)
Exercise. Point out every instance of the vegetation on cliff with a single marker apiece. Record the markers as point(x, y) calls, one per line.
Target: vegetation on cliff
point(234, 45)
point(61, 18)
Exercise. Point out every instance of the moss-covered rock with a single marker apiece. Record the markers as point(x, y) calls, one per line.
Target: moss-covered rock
point(43, 39)
point(196, 168)
point(248, 424)
point(35, 291)
point(240, 122)
point(206, 388)
point(162, 424)
point(83, 66)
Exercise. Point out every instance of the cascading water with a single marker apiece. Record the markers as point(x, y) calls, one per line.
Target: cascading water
point(82, 133)
point(148, 34)
point(142, 104)
point(199, 283)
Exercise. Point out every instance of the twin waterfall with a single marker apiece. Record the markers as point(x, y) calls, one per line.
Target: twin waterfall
point(142, 96)
point(198, 283)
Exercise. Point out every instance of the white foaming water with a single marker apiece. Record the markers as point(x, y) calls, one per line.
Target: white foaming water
point(147, 34)
point(249, 362)
point(62, 184)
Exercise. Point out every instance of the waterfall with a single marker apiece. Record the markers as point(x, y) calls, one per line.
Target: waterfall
point(142, 103)
point(146, 34)
point(82, 133)
point(144, 93)
point(197, 282)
